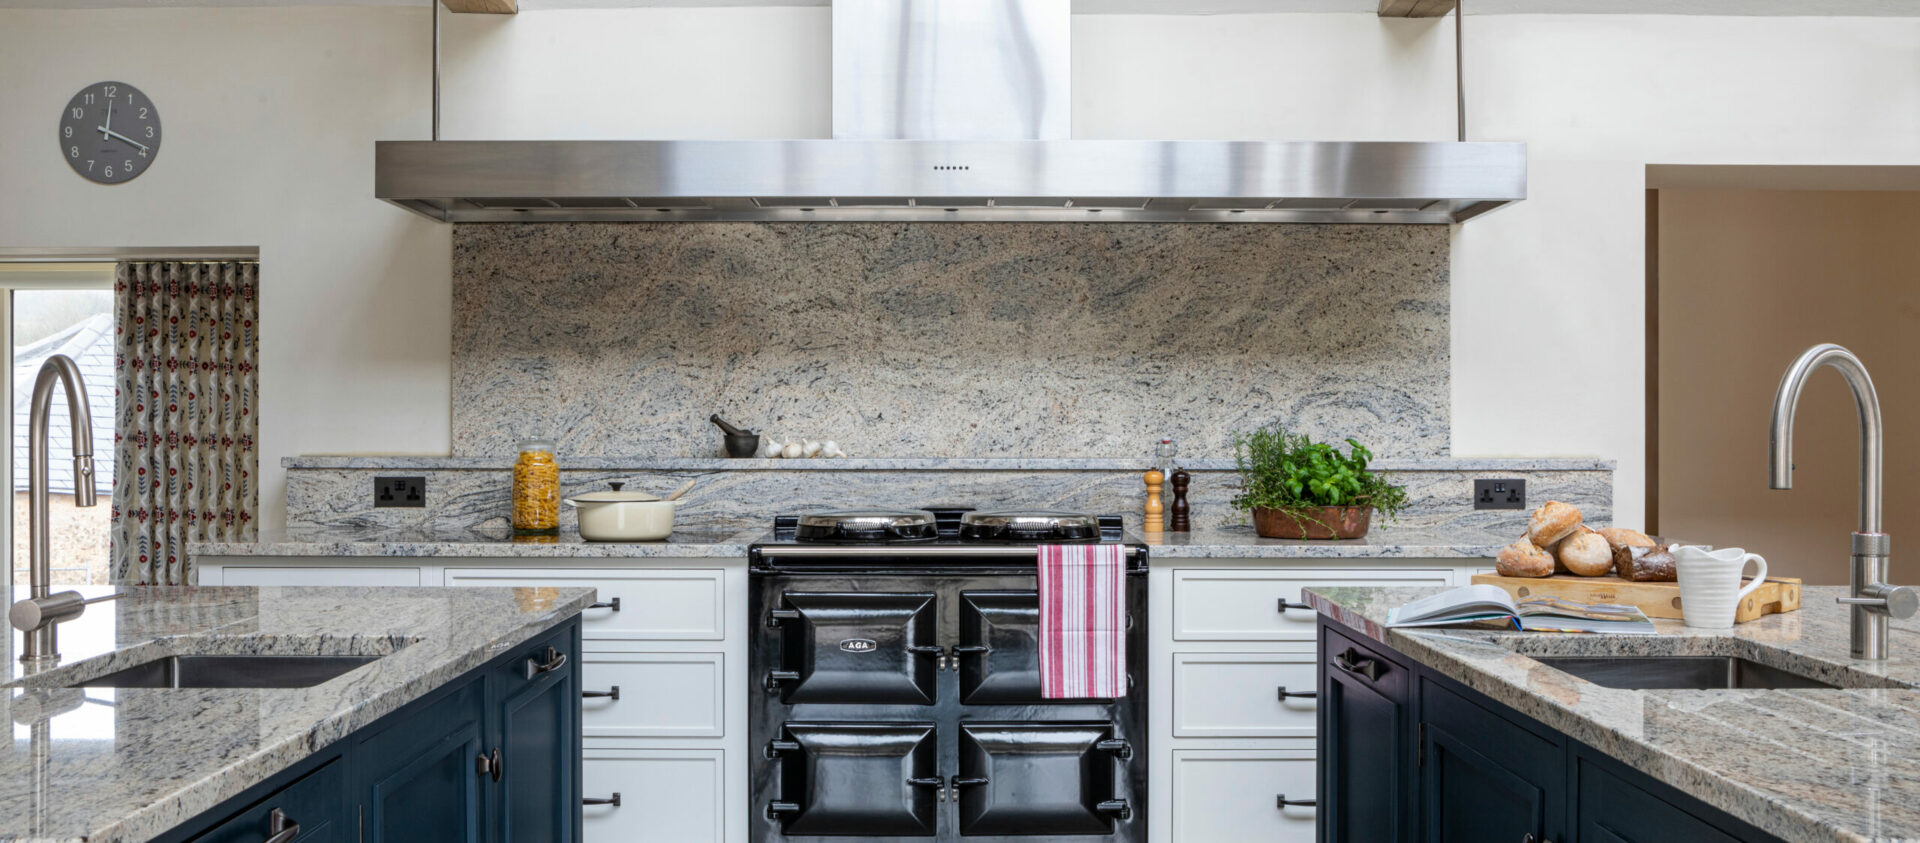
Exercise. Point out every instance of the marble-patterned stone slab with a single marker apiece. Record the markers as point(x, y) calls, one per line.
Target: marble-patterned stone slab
point(1482, 464)
point(1807, 764)
point(901, 340)
point(725, 498)
point(130, 765)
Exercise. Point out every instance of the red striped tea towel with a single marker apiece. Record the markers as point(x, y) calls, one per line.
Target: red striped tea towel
point(1083, 620)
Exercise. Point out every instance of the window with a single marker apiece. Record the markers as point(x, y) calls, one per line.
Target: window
point(48, 309)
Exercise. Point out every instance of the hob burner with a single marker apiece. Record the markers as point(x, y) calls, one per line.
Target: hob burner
point(866, 525)
point(1015, 525)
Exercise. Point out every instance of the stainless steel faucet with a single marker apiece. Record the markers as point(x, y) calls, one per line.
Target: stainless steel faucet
point(37, 615)
point(1873, 600)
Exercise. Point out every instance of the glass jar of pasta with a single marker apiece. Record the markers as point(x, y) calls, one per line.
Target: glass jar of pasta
point(536, 489)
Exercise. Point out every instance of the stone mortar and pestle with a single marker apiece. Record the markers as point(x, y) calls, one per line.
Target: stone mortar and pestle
point(740, 443)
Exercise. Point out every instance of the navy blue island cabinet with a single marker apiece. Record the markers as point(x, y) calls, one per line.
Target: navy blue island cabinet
point(1410, 756)
point(491, 757)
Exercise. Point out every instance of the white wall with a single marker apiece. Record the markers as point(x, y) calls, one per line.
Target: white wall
point(270, 117)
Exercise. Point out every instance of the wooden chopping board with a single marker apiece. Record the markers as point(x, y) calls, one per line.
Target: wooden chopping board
point(1657, 599)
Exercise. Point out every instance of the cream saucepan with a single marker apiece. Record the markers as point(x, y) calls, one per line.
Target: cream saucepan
point(617, 516)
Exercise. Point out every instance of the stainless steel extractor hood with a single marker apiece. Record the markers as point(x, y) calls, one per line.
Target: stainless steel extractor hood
point(950, 110)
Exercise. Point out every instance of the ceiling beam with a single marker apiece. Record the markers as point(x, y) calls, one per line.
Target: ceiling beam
point(1412, 8)
point(508, 7)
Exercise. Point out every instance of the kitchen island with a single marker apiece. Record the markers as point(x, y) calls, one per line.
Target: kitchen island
point(437, 681)
point(1473, 722)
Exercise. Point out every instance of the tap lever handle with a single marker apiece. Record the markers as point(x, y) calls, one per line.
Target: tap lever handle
point(1897, 601)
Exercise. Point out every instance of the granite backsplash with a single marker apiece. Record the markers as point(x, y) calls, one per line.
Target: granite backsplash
point(948, 340)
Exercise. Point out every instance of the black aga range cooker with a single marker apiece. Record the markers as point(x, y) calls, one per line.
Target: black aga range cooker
point(896, 655)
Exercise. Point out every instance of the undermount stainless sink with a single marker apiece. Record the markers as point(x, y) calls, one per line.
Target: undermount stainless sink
point(229, 672)
point(1679, 672)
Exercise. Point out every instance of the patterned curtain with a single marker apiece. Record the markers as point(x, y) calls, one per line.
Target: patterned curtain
point(187, 413)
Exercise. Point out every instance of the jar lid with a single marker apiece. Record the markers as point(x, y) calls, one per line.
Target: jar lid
point(613, 495)
point(536, 445)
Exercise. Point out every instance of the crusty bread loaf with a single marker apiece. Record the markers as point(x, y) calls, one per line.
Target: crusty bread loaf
point(1552, 522)
point(1586, 553)
point(1619, 537)
point(1524, 559)
point(1645, 564)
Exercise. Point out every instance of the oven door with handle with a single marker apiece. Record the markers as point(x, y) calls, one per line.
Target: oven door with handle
point(842, 647)
point(857, 779)
point(998, 655)
point(1038, 778)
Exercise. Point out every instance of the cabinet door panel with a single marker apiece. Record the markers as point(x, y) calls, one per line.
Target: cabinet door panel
point(1363, 761)
point(316, 803)
point(666, 796)
point(1614, 811)
point(420, 781)
point(1222, 795)
point(1483, 777)
point(1244, 604)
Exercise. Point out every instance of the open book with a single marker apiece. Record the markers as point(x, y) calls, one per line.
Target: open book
point(1489, 603)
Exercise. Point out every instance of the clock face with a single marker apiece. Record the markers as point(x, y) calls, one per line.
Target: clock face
point(110, 132)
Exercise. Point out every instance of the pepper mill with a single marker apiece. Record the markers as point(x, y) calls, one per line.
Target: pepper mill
point(1180, 523)
point(1156, 522)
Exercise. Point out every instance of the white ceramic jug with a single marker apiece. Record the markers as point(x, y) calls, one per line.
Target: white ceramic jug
point(1710, 589)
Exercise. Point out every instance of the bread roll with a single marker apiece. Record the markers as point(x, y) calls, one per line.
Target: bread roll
point(1586, 553)
point(1524, 559)
point(1552, 522)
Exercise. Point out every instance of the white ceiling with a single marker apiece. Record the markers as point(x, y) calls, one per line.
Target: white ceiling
point(1871, 8)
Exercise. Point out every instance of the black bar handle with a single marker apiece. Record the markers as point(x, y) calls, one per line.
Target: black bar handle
point(969, 782)
point(776, 810)
point(969, 649)
point(927, 781)
point(1284, 606)
point(613, 694)
point(1352, 662)
point(1118, 746)
point(555, 661)
point(1283, 802)
point(613, 800)
point(776, 747)
point(1117, 807)
point(1295, 695)
point(775, 677)
point(282, 827)
point(613, 604)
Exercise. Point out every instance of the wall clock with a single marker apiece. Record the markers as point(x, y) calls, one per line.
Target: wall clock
point(110, 132)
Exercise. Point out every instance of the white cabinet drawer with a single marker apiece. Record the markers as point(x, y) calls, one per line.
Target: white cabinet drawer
point(269, 576)
point(1236, 695)
point(666, 795)
point(662, 695)
point(1243, 605)
point(664, 605)
point(1229, 794)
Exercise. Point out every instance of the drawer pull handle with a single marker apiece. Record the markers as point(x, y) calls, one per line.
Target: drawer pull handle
point(613, 800)
point(1295, 695)
point(1352, 662)
point(1282, 802)
point(969, 782)
point(613, 695)
point(555, 661)
point(613, 604)
point(282, 827)
point(488, 764)
point(1284, 606)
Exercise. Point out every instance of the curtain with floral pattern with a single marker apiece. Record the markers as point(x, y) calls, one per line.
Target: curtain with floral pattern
point(187, 413)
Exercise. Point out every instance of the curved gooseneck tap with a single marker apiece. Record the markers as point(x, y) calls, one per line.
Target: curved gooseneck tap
point(42, 608)
point(1872, 600)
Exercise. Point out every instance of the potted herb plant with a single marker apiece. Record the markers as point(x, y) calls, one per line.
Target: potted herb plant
point(1297, 488)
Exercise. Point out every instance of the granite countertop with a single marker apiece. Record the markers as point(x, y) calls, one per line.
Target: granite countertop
point(711, 543)
point(1804, 764)
point(692, 542)
point(125, 765)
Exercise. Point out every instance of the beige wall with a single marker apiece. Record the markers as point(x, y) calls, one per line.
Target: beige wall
point(1748, 280)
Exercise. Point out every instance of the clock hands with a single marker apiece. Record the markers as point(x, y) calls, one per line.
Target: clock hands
point(106, 131)
point(103, 129)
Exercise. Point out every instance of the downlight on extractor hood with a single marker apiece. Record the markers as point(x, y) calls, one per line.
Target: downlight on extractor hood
point(951, 110)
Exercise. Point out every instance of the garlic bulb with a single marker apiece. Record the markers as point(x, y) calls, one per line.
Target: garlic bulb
point(793, 450)
point(811, 449)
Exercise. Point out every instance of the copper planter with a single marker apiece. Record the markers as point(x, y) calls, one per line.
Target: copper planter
point(1324, 522)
